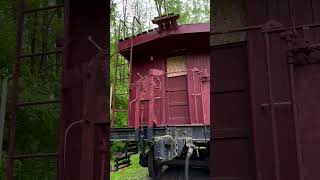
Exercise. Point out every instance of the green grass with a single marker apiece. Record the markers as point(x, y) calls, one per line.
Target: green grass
point(133, 172)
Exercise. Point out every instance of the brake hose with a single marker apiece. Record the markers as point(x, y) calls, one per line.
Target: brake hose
point(186, 167)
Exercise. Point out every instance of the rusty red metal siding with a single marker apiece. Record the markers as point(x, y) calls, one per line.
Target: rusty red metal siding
point(232, 149)
point(84, 117)
point(307, 79)
point(287, 158)
point(200, 60)
point(142, 66)
point(178, 103)
point(283, 101)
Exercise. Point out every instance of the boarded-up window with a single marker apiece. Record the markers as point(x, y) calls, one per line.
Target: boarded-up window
point(176, 66)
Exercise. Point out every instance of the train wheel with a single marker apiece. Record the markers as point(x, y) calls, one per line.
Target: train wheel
point(154, 166)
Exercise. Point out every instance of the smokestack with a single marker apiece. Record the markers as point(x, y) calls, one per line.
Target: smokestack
point(166, 21)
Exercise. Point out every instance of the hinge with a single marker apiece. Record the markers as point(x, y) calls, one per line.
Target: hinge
point(300, 48)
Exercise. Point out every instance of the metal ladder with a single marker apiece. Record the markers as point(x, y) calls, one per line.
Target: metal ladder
point(15, 92)
point(121, 74)
point(122, 70)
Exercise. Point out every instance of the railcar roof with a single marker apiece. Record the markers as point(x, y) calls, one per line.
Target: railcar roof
point(183, 31)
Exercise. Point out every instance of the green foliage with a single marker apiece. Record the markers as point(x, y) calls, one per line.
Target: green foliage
point(193, 11)
point(7, 37)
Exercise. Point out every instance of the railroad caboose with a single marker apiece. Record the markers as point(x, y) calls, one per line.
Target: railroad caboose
point(169, 94)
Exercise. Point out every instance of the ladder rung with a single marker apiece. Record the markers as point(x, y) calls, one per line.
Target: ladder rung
point(35, 156)
point(122, 65)
point(43, 9)
point(41, 54)
point(39, 103)
point(121, 94)
point(120, 110)
point(122, 79)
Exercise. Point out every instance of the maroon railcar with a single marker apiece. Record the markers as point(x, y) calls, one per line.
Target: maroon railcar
point(169, 93)
point(265, 98)
point(177, 60)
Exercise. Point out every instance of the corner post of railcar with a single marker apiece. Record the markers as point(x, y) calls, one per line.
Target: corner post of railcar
point(151, 108)
point(153, 75)
point(137, 114)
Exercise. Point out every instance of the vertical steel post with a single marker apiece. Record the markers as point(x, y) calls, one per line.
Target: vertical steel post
point(16, 74)
point(151, 108)
point(136, 114)
point(111, 96)
point(295, 115)
point(84, 92)
point(3, 111)
point(202, 102)
point(271, 104)
point(195, 96)
point(131, 51)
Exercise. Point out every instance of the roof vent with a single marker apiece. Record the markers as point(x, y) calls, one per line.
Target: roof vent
point(166, 21)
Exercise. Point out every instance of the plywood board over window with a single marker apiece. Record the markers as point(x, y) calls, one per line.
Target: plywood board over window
point(176, 66)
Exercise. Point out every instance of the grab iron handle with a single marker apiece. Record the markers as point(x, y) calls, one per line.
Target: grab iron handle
point(265, 105)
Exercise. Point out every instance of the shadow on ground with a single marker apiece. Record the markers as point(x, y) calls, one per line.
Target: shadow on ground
point(178, 174)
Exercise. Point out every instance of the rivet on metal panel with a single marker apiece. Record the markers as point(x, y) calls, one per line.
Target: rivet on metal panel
point(271, 24)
